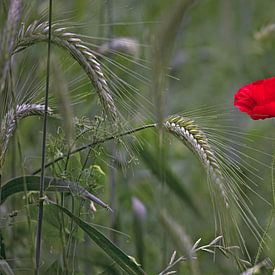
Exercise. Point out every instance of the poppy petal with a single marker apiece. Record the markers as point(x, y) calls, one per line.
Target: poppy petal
point(265, 111)
point(257, 99)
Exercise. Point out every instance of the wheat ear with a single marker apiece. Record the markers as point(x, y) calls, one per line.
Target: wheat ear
point(10, 120)
point(195, 139)
point(38, 32)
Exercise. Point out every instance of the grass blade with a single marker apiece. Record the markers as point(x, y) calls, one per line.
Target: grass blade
point(120, 258)
point(16, 185)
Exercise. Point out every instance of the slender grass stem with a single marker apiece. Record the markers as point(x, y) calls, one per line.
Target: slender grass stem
point(30, 237)
point(17, 140)
point(113, 150)
point(97, 142)
point(63, 237)
point(42, 178)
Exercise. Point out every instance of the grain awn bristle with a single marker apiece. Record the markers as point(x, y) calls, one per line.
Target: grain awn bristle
point(195, 139)
point(38, 32)
point(10, 120)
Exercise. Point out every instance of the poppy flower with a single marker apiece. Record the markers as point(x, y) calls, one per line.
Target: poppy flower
point(257, 99)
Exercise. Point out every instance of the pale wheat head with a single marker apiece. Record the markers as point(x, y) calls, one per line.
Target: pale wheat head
point(10, 120)
point(38, 32)
point(195, 139)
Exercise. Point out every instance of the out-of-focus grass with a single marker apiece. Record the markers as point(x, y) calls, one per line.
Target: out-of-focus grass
point(214, 53)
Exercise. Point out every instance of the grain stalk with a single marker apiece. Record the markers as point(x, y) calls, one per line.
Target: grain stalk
point(43, 150)
point(195, 139)
point(227, 197)
point(38, 32)
point(10, 120)
point(95, 143)
point(221, 179)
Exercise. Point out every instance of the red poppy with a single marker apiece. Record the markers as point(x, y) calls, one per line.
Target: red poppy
point(257, 99)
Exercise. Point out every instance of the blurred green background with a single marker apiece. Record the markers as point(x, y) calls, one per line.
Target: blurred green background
point(196, 66)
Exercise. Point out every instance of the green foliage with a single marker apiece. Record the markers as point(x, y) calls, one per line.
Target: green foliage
point(124, 261)
point(158, 169)
point(115, 66)
point(31, 183)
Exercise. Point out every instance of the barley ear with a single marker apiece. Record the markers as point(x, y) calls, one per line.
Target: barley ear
point(38, 32)
point(196, 140)
point(9, 123)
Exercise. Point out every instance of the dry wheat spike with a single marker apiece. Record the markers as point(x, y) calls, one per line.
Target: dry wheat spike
point(227, 184)
point(38, 32)
point(195, 139)
point(10, 120)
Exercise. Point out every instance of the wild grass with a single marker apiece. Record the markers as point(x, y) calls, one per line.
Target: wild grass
point(159, 192)
point(38, 32)
point(10, 121)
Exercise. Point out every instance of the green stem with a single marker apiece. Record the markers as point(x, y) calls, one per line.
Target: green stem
point(63, 237)
point(42, 178)
point(89, 145)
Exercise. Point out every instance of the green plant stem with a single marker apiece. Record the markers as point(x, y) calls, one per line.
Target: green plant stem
point(27, 201)
point(63, 237)
point(89, 145)
point(112, 171)
point(23, 170)
point(42, 178)
point(73, 227)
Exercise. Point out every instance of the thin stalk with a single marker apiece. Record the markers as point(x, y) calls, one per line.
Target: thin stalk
point(112, 170)
point(74, 227)
point(89, 145)
point(75, 262)
point(27, 201)
point(70, 237)
point(68, 240)
point(63, 237)
point(42, 178)
point(17, 139)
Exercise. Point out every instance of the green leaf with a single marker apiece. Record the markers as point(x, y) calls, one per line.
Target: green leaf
point(5, 269)
point(120, 258)
point(32, 183)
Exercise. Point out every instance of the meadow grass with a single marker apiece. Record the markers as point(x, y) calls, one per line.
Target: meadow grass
point(134, 116)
